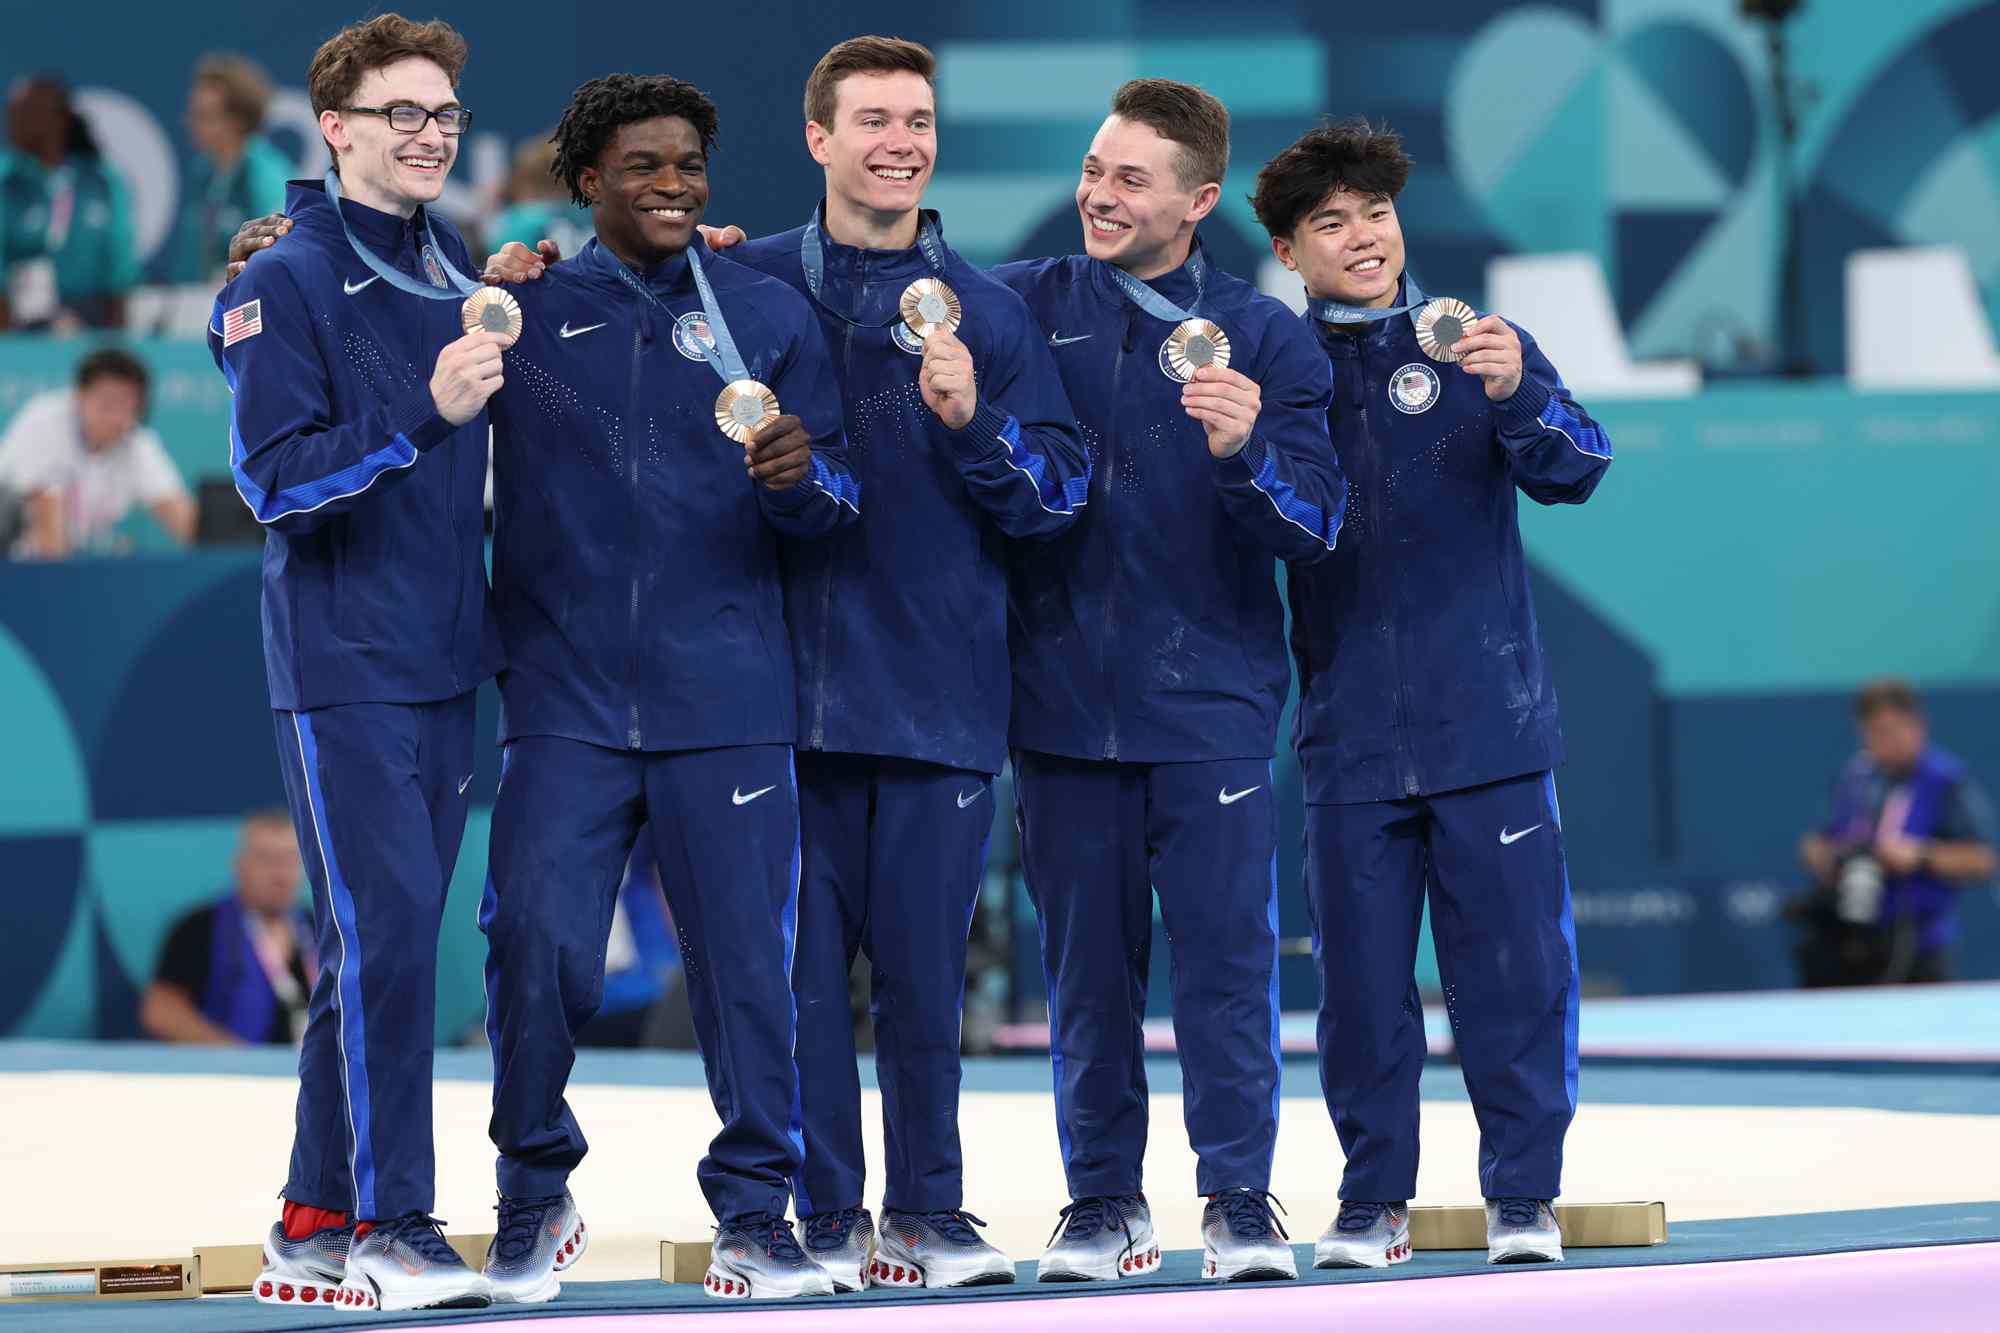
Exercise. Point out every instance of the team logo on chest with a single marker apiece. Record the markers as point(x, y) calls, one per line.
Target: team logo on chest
point(1414, 389)
point(692, 336)
point(432, 269)
point(906, 339)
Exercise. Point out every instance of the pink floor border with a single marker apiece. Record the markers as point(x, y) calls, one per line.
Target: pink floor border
point(1914, 1290)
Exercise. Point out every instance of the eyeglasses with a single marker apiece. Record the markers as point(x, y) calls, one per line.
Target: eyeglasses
point(412, 119)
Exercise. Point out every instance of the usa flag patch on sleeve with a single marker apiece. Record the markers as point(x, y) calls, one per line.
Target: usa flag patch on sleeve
point(245, 321)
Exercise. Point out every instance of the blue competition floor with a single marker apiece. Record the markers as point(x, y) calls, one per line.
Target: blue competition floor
point(1942, 1027)
point(1617, 1084)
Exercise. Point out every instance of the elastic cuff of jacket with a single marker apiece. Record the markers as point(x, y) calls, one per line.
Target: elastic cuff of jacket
point(981, 435)
point(417, 421)
point(1250, 458)
point(1522, 414)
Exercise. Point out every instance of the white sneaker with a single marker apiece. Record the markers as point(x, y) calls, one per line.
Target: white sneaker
point(1522, 1231)
point(1365, 1235)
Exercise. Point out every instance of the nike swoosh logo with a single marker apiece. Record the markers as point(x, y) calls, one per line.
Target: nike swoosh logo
point(567, 332)
point(1509, 839)
point(738, 798)
point(463, 785)
point(964, 800)
point(1057, 340)
point(352, 287)
point(1228, 797)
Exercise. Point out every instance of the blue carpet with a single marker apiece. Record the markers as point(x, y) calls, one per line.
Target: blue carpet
point(1689, 1243)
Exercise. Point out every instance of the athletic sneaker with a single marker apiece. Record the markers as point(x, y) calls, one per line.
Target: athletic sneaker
point(1242, 1239)
point(756, 1254)
point(935, 1250)
point(1365, 1235)
point(534, 1240)
point(1101, 1238)
point(306, 1271)
point(840, 1242)
point(1522, 1231)
point(405, 1264)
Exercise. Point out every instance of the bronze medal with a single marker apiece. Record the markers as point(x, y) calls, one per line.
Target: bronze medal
point(929, 306)
point(1442, 322)
point(1194, 343)
point(494, 311)
point(743, 408)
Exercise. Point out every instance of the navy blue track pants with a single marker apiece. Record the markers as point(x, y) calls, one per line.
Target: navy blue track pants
point(894, 852)
point(1098, 841)
point(1492, 859)
point(377, 794)
point(724, 825)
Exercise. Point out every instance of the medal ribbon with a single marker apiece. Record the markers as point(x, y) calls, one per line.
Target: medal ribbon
point(727, 362)
point(812, 258)
point(1147, 299)
point(1333, 312)
point(402, 282)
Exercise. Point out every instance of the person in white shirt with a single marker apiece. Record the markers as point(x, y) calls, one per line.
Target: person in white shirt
point(77, 460)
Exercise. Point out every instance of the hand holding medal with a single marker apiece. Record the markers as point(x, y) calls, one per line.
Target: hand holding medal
point(946, 380)
point(1490, 349)
point(1226, 403)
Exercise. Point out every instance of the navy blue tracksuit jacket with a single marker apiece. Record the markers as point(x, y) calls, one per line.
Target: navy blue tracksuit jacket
point(1426, 729)
point(900, 629)
point(1149, 670)
point(649, 683)
point(372, 503)
point(636, 568)
point(376, 632)
point(1152, 632)
point(900, 623)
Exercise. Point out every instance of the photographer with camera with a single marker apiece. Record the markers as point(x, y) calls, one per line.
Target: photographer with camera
point(1909, 828)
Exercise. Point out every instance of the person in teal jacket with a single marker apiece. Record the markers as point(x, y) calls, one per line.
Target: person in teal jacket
point(235, 172)
point(66, 250)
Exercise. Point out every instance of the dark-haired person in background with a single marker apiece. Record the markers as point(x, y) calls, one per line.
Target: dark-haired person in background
point(1149, 672)
point(66, 250)
point(1427, 727)
point(649, 674)
point(75, 461)
point(241, 968)
point(1908, 830)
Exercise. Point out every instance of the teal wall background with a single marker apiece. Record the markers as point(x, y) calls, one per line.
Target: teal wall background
point(1637, 129)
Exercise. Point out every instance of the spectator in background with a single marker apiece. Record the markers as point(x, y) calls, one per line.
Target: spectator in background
point(1909, 828)
point(240, 969)
point(538, 206)
point(75, 461)
point(236, 173)
point(66, 247)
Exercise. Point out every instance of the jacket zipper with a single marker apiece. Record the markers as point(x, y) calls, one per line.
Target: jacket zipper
point(1111, 584)
point(1385, 587)
point(632, 449)
point(817, 739)
point(458, 553)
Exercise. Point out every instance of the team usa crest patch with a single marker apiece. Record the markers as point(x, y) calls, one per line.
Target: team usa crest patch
point(1414, 388)
point(433, 269)
point(245, 321)
point(692, 338)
